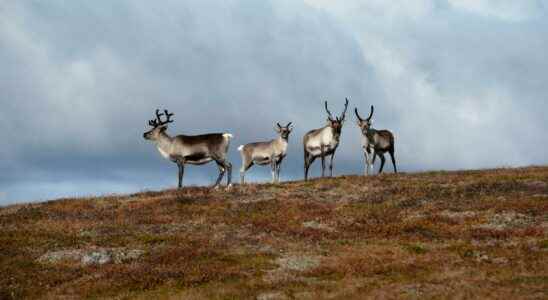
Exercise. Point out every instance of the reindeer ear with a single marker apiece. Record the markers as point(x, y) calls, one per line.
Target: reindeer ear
point(163, 128)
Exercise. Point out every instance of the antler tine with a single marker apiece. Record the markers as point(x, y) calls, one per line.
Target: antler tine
point(289, 124)
point(328, 112)
point(279, 126)
point(168, 116)
point(371, 114)
point(157, 121)
point(343, 116)
point(357, 114)
point(159, 116)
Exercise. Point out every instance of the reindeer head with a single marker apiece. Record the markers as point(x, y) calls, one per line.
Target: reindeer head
point(284, 131)
point(364, 124)
point(337, 122)
point(158, 126)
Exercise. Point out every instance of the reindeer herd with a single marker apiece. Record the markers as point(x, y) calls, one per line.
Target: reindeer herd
point(317, 143)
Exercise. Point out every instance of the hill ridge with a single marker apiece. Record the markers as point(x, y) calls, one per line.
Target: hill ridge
point(480, 233)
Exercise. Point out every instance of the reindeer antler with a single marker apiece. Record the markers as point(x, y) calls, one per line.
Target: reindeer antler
point(343, 116)
point(168, 117)
point(371, 114)
point(357, 114)
point(328, 112)
point(158, 121)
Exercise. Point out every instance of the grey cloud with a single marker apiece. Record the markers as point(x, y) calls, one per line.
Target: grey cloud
point(84, 78)
point(80, 80)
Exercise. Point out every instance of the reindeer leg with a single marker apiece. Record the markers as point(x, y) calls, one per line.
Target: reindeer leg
point(242, 175)
point(371, 159)
point(273, 166)
point(383, 160)
point(228, 167)
point(366, 171)
point(323, 161)
point(242, 171)
point(276, 166)
point(331, 165)
point(393, 160)
point(308, 161)
point(279, 164)
point(181, 173)
point(222, 171)
point(245, 166)
point(305, 165)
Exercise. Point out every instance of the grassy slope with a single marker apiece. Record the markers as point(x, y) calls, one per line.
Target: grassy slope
point(438, 234)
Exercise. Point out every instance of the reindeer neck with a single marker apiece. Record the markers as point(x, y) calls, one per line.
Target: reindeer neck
point(164, 140)
point(370, 133)
point(282, 140)
point(332, 131)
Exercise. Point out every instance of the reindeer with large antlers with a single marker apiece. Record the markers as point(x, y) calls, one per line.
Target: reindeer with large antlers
point(190, 149)
point(266, 153)
point(323, 142)
point(375, 143)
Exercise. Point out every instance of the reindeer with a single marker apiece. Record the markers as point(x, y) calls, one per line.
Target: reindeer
point(190, 149)
point(264, 153)
point(323, 141)
point(375, 143)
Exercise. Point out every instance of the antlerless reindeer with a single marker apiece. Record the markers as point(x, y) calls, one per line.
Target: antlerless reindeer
point(190, 149)
point(264, 153)
point(323, 142)
point(375, 143)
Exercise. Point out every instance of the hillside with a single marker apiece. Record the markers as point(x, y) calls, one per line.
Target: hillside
point(430, 235)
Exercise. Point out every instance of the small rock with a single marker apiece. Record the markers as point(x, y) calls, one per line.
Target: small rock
point(287, 265)
point(414, 216)
point(457, 214)
point(87, 233)
point(99, 257)
point(500, 260)
point(298, 263)
point(412, 290)
point(507, 220)
point(272, 296)
point(317, 225)
point(477, 256)
point(127, 255)
point(482, 257)
point(266, 249)
point(58, 256)
point(305, 295)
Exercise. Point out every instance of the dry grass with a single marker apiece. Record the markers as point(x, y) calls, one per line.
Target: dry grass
point(474, 234)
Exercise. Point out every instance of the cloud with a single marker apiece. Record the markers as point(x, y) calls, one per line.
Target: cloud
point(83, 79)
point(453, 82)
point(461, 85)
point(507, 10)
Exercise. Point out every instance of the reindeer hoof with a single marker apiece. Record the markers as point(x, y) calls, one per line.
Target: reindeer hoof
point(229, 187)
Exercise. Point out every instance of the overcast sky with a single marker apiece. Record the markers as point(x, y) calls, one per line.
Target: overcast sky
point(461, 83)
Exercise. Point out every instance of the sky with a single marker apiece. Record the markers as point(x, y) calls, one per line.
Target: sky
point(461, 83)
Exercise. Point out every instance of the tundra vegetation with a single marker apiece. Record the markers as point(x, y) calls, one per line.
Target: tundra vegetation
point(466, 234)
